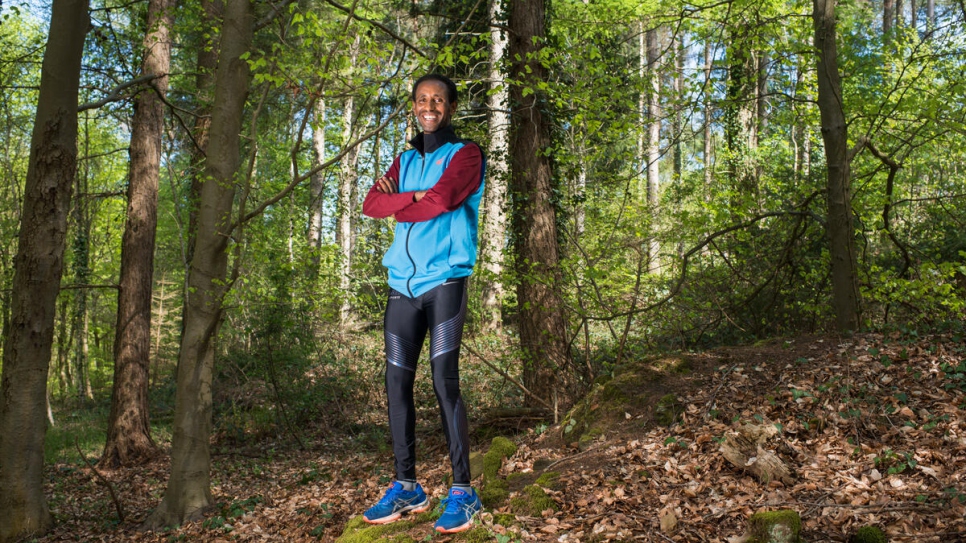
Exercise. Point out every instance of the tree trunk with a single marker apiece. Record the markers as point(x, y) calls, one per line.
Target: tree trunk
point(708, 133)
point(739, 123)
point(494, 197)
point(346, 208)
point(888, 16)
point(37, 271)
point(207, 62)
point(189, 490)
point(845, 285)
point(653, 146)
point(317, 185)
point(547, 366)
point(80, 249)
point(128, 429)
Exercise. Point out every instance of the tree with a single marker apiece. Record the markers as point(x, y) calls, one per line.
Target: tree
point(845, 282)
point(543, 327)
point(38, 266)
point(189, 491)
point(494, 197)
point(129, 429)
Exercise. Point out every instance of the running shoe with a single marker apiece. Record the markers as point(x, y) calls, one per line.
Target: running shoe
point(395, 503)
point(458, 511)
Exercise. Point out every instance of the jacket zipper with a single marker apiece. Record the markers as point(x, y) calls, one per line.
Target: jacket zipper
point(422, 170)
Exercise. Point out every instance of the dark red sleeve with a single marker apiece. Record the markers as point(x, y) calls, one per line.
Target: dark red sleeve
point(460, 179)
point(379, 205)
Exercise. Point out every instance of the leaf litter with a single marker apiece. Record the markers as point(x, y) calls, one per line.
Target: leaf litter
point(872, 426)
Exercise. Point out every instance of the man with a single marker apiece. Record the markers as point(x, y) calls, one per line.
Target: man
point(433, 191)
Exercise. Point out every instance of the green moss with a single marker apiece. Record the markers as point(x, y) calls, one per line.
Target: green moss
point(403, 538)
point(500, 449)
point(476, 464)
point(357, 531)
point(494, 493)
point(504, 519)
point(869, 534)
point(668, 410)
point(587, 439)
point(475, 535)
point(783, 526)
point(549, 480)
point(532, 501)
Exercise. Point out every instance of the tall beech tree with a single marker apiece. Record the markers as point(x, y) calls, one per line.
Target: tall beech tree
point(841, 236)
point(129, 429)
point(189, 490)
point(543, 326)
point(37, 271)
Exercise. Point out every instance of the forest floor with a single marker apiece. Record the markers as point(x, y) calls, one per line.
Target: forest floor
point(872, 426)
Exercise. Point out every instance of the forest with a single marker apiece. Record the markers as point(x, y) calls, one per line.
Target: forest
point(708, 196)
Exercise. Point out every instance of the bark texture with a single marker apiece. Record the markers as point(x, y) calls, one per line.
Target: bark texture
point(129, 430)
point(494, 196)
point(845, 283)
point(543, 329)
point(37, 271)
point(189, 490)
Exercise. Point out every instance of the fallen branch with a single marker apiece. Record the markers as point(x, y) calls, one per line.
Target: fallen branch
point(103, 480)
point(508, 378)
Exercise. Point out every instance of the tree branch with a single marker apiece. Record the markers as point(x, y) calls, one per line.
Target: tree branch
point(115, 94)
point(378, 25)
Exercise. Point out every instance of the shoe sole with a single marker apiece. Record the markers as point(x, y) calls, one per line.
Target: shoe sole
point(421, 508)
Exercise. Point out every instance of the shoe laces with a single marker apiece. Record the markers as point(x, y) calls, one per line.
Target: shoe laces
point(454, 502)
point(391, 494)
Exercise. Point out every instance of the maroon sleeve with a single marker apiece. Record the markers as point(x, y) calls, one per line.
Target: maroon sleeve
point(460, 179)
point(380, 205)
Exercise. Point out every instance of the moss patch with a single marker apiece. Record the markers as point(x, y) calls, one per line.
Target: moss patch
point(668, 410)
point(532, 501)
point(550, 479)
point(784, 526)
point(869, 534)
point(501, 448)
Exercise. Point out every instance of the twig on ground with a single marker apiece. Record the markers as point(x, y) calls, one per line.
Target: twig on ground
point(103, 480)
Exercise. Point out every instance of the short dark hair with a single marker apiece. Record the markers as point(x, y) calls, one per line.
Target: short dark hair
point(450, 86)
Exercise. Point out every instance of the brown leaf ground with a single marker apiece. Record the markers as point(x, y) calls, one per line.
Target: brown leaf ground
point(873, 426)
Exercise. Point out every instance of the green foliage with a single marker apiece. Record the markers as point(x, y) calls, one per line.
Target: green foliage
point(869, 534)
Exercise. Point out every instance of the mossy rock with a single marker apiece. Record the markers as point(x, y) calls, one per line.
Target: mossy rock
point(494, 493)
point(550, 479)
point(476, 464)
point(869, 534)
point(501, 448)
point(358, 531)
point(783, 526)
point(532, 501)
point(668, 410)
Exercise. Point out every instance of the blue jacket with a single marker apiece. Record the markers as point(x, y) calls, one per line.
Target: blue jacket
point(435, 238)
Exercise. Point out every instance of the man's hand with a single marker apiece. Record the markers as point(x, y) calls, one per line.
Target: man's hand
point(386, 185)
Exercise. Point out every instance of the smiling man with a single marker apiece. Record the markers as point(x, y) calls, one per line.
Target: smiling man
point(433, 191)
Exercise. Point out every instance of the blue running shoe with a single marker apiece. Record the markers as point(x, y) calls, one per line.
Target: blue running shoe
point(458, 511)
point(395, 503)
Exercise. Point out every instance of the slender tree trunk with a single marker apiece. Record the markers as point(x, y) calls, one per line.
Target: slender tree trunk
point(80, 249)
point(317, 185)
point(206, 63)
point(494, 196)
point(845, 285)
point(189, 491)
point(677, 119)
point(888, 16)
point(653, 146)
point(36, 281)
point(930, 14)
point(128, 429)
point(346, 209)
point(708, 133)
point(543, 328)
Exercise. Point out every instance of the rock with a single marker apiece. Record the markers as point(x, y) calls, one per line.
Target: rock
point(784, 526)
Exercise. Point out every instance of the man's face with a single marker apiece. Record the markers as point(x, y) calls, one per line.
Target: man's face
point(431, 107)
